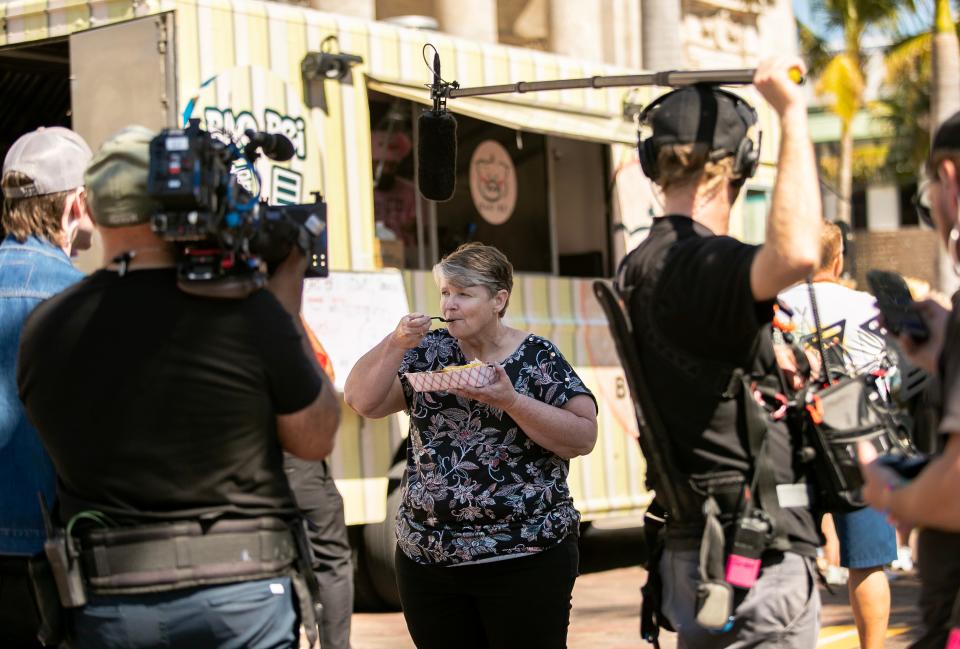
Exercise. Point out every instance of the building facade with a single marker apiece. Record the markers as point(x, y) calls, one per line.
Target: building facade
point(628, 33)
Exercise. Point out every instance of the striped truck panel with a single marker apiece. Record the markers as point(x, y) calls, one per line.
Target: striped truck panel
point(252, 51)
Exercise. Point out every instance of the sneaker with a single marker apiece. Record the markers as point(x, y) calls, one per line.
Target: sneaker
point(904, 560)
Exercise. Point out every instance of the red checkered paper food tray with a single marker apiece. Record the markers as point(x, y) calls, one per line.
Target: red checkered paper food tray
point(469, 377)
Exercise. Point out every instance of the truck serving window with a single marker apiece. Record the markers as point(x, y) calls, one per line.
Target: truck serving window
point(38, 75)
point(501, 197)
point(539, 198)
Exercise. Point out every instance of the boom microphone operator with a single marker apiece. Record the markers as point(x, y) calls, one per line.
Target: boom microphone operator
point(273, 145)
point(437, 144)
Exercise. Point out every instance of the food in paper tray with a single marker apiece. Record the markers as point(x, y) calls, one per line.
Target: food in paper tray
point(475, 374)
point(458, 368)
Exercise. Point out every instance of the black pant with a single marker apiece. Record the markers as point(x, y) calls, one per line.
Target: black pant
point(522, 602)
point(320, 502)
point(19, 619)
point(938, 566)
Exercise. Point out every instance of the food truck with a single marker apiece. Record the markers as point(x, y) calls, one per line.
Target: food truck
point(551, 178)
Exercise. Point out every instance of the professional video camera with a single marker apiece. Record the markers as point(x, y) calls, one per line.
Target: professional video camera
point(222, 231)
point(845, 406)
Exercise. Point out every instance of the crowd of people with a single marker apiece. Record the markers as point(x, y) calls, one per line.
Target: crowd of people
point(177, 441)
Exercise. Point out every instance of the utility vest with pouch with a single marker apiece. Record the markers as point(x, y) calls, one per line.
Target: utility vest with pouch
point(731, 517)
point(754, 391)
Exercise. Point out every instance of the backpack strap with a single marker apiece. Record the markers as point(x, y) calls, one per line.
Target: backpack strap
point(672, 486)
point(763, 483)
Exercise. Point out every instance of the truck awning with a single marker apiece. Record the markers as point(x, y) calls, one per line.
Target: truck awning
point(524, 117)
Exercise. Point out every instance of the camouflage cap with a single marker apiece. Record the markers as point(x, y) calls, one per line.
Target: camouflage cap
point(116, 179)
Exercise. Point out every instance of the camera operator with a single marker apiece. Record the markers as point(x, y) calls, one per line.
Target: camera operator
point(929, 501)
point(166, 416)
point(45, 217)
point(700, 302)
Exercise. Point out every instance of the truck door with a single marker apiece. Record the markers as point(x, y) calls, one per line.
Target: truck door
point(123, 74)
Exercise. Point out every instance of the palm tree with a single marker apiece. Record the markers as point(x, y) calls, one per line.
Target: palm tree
point(840, 74)
point(905, 105)
point(923, 80)
point(922, 84)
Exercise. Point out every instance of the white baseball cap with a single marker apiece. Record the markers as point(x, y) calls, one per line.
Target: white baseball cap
point(53, 158)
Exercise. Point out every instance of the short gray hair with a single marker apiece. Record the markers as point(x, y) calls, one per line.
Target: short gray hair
point(475, 264)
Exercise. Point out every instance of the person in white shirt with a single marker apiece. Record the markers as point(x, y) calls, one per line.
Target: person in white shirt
point(849, 326)
point(848, 318)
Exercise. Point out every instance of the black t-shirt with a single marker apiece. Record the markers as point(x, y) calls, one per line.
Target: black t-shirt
point(158, 405)
point(693, 302)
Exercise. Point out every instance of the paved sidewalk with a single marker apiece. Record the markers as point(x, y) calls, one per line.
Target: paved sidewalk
point(605, 606)
point(606, 603)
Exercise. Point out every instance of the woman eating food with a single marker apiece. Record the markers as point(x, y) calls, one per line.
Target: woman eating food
point(487, 533)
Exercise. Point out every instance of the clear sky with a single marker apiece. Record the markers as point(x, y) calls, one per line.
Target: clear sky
point(801, 9)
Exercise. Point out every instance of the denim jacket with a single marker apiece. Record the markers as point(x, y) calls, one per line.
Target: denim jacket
point(30, 272)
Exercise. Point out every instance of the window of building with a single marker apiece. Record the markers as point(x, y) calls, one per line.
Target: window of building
point(908, 213)
point(858, 208)
point(501, 197)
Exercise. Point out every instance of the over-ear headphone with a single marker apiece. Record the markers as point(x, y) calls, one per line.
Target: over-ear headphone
point(746, 158)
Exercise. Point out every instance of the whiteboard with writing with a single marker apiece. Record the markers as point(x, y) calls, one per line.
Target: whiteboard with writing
point(350, 312)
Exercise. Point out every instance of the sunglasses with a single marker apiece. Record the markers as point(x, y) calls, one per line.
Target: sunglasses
point(921, 203)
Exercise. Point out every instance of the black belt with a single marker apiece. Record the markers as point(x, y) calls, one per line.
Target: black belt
point(15, 565)
point(689, 542)
point(156, 558)
point(686, 529)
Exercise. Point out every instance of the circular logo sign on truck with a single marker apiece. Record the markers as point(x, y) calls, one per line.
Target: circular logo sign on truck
point(493, 182)
point(253, 97)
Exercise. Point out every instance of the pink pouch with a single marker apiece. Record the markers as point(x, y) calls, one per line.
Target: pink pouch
point(743, 572)
point(953, 640)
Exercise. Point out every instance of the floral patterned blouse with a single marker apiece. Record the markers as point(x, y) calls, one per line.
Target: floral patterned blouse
point(476, 487)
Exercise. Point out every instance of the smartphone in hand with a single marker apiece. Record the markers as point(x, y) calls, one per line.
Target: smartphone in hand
point(896, 305)
point(907, 467)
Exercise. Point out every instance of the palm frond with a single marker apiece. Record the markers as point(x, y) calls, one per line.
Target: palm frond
point(907, 42)
point(825, 13)
point(879, 12)
point(841, 84)
point(904, 56)
point(813, 49)
point(905, 104)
